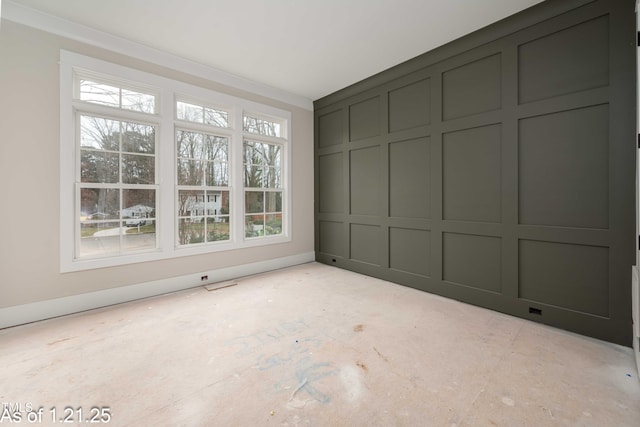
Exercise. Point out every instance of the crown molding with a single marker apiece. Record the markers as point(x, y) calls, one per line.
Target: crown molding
point(61, 27)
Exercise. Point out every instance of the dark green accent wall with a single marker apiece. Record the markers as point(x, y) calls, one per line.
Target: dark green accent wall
point(498, 170)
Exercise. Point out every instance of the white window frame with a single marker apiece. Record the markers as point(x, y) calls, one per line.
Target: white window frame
point(168, 92)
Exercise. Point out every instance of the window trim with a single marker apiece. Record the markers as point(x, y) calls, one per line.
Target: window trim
point(168, 92)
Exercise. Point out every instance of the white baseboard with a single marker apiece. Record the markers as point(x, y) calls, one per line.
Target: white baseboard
point(636, 351)
point(635, 314)
point(635, 301)
point(27, 313)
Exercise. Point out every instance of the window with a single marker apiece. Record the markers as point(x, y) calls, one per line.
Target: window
point(262, 189)
point(153, 168)
point(116, 172)
point(203, 187)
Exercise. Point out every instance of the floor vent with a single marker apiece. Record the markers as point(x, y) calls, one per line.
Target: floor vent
point(220, 285)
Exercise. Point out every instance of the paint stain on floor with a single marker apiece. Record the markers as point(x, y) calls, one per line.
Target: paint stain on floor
point(381, 355)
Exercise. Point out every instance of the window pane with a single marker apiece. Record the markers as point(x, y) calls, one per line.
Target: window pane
point(99, 93)
point(273, 225)
point(216, 117)
point(138, 207)
point(189, 172)
point(138, 101)
point(99, 239)
point(254, 225)
point(216, 174)
point(190, 203)
point(272, 178)
point(273, 201)
point(189, 112)
point(262, 165)
point(138, 169)
point(140, 237)
point(99, 203)
point(96, 166)
point(198, 146)
point(259, 153)
point(200, 114)
point(191, 230)
point(114, 96)
point(190, 144)
point(272, 155)
point(138, 138)
point(253, 176)
point(215, 148)
point(254, 201)
point(217, 229)
point(261, 126)
point(249, 156)
point(99, 133)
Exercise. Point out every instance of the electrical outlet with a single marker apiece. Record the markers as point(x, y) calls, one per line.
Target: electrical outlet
point(203, 278)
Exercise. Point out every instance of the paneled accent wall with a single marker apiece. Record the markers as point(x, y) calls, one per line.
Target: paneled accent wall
point(497, 170)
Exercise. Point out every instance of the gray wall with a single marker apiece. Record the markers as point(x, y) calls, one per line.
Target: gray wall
point(498, 170)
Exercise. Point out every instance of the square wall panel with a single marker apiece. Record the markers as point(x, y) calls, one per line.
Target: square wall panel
point(364, 119)
point(564, 168)
point(472, 260)
point(365, 243)
point(410, 106)
point(332, 238)
point(410, 250)
point(330, 129)
point(471, 187)
point(575, 277)
point(330, 183)
point(472, 88)
point(571, 60)
point(410, 178)
point(365, 181)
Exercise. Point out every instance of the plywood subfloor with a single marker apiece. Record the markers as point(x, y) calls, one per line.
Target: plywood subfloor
point(314, 345)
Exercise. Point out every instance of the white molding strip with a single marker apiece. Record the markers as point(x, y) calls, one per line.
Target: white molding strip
point(635, 313)
point(62, 27)
point(33, 312)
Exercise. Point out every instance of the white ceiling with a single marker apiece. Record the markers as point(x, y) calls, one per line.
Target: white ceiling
point(308, 48)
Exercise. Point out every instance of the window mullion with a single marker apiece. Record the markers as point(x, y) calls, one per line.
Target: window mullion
point(237, 160)
point(167, 223)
